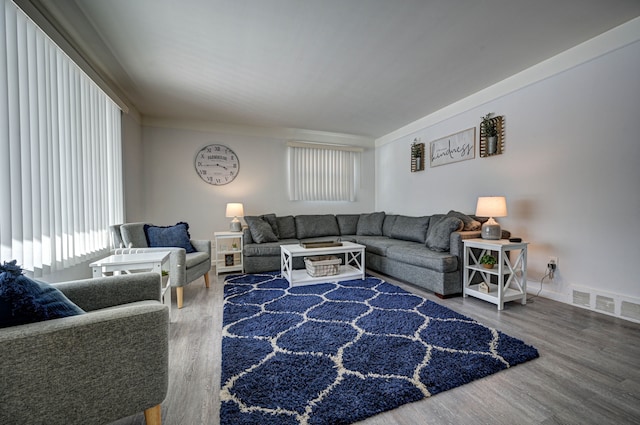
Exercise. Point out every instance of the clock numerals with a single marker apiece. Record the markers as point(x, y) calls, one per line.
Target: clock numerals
point(217, 164)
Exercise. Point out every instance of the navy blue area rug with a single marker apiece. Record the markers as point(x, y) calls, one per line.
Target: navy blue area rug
point(337, 353)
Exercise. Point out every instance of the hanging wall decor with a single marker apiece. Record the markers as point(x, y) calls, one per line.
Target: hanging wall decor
point(417, 155)
point(453, 148)
point(491, 135)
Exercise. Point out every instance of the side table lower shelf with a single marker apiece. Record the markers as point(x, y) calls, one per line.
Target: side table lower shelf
point(508, 294)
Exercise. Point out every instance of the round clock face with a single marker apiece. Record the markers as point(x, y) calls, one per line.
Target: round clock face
point(217, 164)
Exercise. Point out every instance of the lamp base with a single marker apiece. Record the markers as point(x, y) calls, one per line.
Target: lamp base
point(235, 225)
point(491, 230)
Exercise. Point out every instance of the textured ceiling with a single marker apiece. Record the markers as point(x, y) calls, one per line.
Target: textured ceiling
point(365, 67)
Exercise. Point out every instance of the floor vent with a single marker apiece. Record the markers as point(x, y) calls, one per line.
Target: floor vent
point(605, 304)
point(582, 299)
point(630, 310)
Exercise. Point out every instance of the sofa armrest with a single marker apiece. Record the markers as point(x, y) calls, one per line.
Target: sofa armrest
point(103, 292)
point(457, 245)
point(457, 238)
point(246, 236)
point(101, 365)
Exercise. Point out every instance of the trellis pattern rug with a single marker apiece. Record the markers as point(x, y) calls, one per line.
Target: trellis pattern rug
point(336, 353)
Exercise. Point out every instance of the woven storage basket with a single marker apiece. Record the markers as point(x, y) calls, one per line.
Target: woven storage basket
point(323, 265)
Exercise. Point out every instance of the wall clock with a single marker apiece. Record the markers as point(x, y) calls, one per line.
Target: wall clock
point(217, 164)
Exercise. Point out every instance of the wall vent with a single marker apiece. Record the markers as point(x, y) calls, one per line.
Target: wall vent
point(609, 303)
point(630, 310)
point(606, 304)
point(582, 299)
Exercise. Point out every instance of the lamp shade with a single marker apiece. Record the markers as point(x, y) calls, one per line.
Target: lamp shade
point(234, 210)
point(491, 206)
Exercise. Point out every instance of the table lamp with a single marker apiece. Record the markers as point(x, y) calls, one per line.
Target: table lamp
point(235, 210)
point(491, 206)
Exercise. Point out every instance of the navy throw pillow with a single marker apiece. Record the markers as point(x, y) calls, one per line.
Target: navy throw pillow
point(23, 300)
point(169, 236)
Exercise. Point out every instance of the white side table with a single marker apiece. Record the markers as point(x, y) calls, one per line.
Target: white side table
point(130, 260)
point(510, 282)
point(228, 257)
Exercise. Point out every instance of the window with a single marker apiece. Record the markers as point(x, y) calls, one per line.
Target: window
point(60, 153)
point(320, 172)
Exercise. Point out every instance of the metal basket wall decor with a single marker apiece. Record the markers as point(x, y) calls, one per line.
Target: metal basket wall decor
point(417, 156)
point(486, 148)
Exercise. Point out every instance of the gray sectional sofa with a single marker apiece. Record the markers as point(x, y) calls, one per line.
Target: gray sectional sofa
point(425, 251)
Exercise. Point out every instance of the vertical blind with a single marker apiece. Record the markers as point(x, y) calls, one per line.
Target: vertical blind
point(323, 172)
point(60, 153)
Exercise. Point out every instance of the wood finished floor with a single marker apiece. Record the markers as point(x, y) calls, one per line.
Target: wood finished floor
point(588, 371)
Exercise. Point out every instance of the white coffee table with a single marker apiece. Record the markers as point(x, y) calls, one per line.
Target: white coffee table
point(151, 261)
point(352, 269)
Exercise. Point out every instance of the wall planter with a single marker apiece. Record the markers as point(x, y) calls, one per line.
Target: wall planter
point(417, 156)
point(491, 135)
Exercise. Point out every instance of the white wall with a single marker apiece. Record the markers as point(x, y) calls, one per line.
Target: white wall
point(133, 159)
point(569, 171)
point(174, 192)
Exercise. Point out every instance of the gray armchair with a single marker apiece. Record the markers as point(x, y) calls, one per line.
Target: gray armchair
point(93, 368)
point(184, 268)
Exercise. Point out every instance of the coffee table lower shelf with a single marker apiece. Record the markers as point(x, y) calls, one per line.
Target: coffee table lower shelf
point(301, 277)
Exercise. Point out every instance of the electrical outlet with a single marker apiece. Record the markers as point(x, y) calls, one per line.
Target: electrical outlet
point(552, 266)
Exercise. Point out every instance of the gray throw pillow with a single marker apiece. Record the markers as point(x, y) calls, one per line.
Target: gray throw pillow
point(410, 228)
point(439, 233)
point(273, 222)
point(469, 222)
point(260, 229)
point(370, 224)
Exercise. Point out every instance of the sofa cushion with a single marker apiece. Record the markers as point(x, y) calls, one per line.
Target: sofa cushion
point(378, 244)
point(421, 256)
point(370, 224)
point(313, 226)
point(169, 236)
point(23, 300)
point(348, 223)
point(387, 225)
point(469, 222)
point(267, 248)
point(410, 228)
point(286, 227)
point(440, 229)
point(261, 230)
point(195, 258)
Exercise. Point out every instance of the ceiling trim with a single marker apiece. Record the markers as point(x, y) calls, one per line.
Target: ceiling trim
point(614, 39)
point(257, 131)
